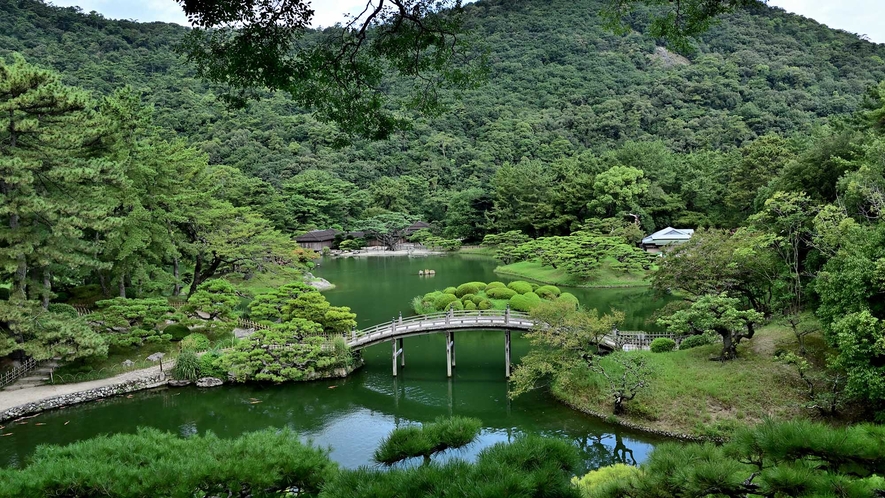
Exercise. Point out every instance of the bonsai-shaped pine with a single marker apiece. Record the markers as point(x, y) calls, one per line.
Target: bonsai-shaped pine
point(718, 314)
point(427, 440)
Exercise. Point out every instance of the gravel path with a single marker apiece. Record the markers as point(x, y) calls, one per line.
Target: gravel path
point(9, 399)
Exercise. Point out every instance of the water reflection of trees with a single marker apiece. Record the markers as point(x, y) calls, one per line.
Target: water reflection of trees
point(597, 450)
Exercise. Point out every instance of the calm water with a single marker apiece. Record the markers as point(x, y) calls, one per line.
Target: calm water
point(352, 415)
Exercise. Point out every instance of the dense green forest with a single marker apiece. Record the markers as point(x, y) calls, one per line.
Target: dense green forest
point(565, 102)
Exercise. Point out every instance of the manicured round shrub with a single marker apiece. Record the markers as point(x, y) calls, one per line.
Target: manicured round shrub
point(63, 309)
point(500, 293)
point(662, 345)
point(548, 291)
point(210, 366)
point(568, 297)
point(485, 304)
point(444, 300)
point(195, 342)
point(177, 331)
point(469, 306)
point(450, 290)
point(469, 288)
point(467, 297)
point(455, 305)
point(495, 285)
point(535, 287)
point(477, 299)
point(520, 287)
point(524, 302)
point(693, 342)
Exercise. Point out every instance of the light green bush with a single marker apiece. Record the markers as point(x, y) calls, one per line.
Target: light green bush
point(450, 290)
point(597, 480)
point(548, 291)
point(194, 342)
point(495, 285)
point(662, 345)
point(525, 302)
point(520, 287)
point(568, 297)
point(441, 302)
point(469, 306)
point(210, 366)
point(469, 288)
point(477, 299)
point(467, 297)
point(485, 304)
point(187, 366)
point(63, 309)
point(455, 305)
point(500, 293)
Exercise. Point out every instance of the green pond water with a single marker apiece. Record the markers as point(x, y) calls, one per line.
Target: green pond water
point(350, 416)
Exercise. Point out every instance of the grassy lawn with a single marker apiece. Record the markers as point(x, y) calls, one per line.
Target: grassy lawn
point(604, 277)
point(481, 251)
point(692, 395)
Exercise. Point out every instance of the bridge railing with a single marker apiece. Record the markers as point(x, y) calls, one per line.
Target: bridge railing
point(450, 318)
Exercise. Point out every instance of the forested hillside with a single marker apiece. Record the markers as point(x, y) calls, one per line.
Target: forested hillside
point(565, 101)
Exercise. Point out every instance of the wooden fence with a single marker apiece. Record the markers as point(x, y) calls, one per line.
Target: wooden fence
point(16, 373)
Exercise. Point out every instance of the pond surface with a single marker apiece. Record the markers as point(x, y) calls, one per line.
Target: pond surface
point(352, 415)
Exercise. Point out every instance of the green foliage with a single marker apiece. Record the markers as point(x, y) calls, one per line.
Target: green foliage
point(120, 465)
point(568, 297)
point(299, 301)
point(210, 365)
point(485, 304)
point(525, 302)
point(469, 288)
point(187, 366)
point(600, 481)
point(450, 290)
point(444, 300)
point(287, 352)
point(216, 298)
point(455, 305)
point(427, 440)
point(63, 310)
point(719, 315)
point(662, 345)
point(195, 342)
point(494, 285)
point(177, 331)
point(548, 291)
point(694, 341)
point(144, 314)
point(519, 287)
point(42, 334)
point(500, 293)
point(470, 306)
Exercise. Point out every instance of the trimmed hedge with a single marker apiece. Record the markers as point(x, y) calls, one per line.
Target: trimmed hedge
point(548, 291)
point(494, 285)
point(469, 306)
point(177, 331)
point(477, 299)
point(467, 297)
point(444, 300)
point(450, 290)
point(469, 288)
point(500, 293)
point(524, 302)
point(693, 342)
point(520, 287)
point(662, 345)
point(568, 297)
point(455, 305)
point(485, 304)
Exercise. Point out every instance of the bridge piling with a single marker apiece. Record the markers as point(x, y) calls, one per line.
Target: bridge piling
point(507, 354)
point(402, 353)
point(450, 352)
point(394, 358)
point(453, 349)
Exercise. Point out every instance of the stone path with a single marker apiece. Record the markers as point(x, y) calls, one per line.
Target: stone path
point(9, 399)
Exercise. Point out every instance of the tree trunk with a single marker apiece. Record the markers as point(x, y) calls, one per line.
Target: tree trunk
point(198, 267)
point(729, 347)
point(47, 287)
point(175, 273)
point(103, 280)
point(122, 285)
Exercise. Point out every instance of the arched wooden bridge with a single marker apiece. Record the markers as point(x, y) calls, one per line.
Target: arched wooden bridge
point(451, 321)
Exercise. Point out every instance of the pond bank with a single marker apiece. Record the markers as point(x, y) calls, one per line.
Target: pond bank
point(534, 271)
point(23, 402)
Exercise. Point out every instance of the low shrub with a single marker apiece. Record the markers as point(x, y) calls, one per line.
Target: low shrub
point(187, 366)
point(210, 366)
point(194, 342)
point(63, 309)
point(485, 304)
point(442, 302)
point(455, 305)
point(469, 306)
point(450, 290)
point(520, 287)
point(495, 285)
point(568, 297)
point(548, 291)
point(525, 302)
point(662, 345)
point(477, 299)
point(469, 288)
point(606, 479)
point(467, 297)
point(177, 331)
point(500, 293)
point(693, 342)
